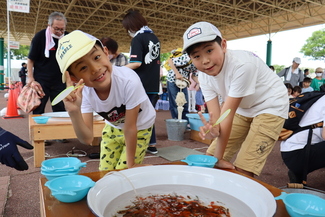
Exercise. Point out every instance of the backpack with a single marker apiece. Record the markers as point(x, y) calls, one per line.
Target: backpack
point(297, 108)
point(175, 53)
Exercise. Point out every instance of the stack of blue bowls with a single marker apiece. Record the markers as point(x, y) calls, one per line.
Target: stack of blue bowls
point(63, 166)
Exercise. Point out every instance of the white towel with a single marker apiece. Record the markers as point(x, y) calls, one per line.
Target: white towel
point(49, 42)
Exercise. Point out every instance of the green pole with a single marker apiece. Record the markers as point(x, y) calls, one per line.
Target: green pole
point(1, 63)
point(269, 53)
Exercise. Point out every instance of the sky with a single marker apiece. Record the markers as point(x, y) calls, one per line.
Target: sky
point(285, 46)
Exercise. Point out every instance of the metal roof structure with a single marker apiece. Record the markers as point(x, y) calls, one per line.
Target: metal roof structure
point(167, 18)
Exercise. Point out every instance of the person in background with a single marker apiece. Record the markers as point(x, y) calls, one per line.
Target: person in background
point(180, 68)
point(306, 85)
point(272, 68)
point(296, 91)
point(255, 96)
point(43, 69)
point(117, 58)
point(22, 73)
point(144, 59)
point(9, 154)
point(318, 80)
point(200, 99)
point(115, 93)
point(292, 74)
point(191, 94)
point(306, 73)
point(289, 88)
point(293, 150)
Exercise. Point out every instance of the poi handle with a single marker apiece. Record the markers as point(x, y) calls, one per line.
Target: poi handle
point(221, 118)
point(64, 94)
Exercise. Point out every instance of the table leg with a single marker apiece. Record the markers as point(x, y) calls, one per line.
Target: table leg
point(39, 152)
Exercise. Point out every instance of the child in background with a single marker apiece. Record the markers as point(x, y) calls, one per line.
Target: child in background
point(254, 94)
point(117, 58)
point(199, 99)
point(296, 91)
point(289, 88)
point(318, 80)
point(115, 93)
point(191, 94)
point(306, 85)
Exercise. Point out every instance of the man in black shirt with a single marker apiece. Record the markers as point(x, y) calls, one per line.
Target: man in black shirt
point(43, 70)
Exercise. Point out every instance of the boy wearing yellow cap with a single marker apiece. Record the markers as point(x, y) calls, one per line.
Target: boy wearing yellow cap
point(115, 93)
point(246, 85)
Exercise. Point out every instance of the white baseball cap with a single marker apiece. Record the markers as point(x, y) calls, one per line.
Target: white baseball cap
point(199, 32)
point(72, 47)
point(297, 60)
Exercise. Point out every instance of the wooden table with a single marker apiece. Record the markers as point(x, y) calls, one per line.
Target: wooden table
point(55, 128)
point(51, 207)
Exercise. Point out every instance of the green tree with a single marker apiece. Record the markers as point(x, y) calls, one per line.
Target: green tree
point(164, 57)
point(18, 54)
point(315, 46)
point(278, 68)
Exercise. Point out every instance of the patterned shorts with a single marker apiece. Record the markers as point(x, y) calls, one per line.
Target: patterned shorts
point(113, 149)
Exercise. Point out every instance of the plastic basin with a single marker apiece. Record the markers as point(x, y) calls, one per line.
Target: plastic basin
point(69, 189)
point(303, 205)
point(41, 119)
point(200, 160)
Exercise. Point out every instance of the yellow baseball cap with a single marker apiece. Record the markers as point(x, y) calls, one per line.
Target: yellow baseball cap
point(72, 47)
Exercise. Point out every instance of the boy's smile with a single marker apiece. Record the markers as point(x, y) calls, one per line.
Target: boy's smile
point(94, 68)
point(208, 57)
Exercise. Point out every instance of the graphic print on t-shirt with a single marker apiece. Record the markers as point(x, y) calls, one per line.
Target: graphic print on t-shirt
point(153, 52)
point(115, 116)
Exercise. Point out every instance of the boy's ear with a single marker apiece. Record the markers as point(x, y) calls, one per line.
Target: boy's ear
point(105, 50)
point(224, 45)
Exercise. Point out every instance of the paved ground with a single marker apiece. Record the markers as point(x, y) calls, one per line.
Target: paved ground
point(19, 194)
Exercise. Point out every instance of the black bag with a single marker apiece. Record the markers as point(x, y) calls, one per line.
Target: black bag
point(297, 108)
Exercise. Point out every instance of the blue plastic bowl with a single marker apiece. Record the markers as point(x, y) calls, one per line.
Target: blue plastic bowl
point(54, 175)
point(200, 160)
point(41, 119)
point(62, 164)
point(69, 189)
point(303, 205)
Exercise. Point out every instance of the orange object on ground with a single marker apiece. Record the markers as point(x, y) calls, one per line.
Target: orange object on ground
point(12, 110)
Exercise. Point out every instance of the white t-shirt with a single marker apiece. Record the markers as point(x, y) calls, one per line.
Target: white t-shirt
point(245, 75)
point(315, 114)
point(126, 93)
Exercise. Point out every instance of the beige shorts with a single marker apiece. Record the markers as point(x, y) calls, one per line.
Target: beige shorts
point(253, 139)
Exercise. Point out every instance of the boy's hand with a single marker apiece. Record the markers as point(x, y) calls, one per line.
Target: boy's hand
point(222, 164)
point(9, 154)
point(73, 101)
point(207, 131)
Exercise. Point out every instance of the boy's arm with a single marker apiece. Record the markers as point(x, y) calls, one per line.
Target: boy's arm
point(82, 123)
point(222, 131)
point(130, 134)
point(226, 125)
point(83, 126)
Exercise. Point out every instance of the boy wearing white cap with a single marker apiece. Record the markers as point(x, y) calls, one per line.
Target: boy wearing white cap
point(254, 93)
point(115, 93)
